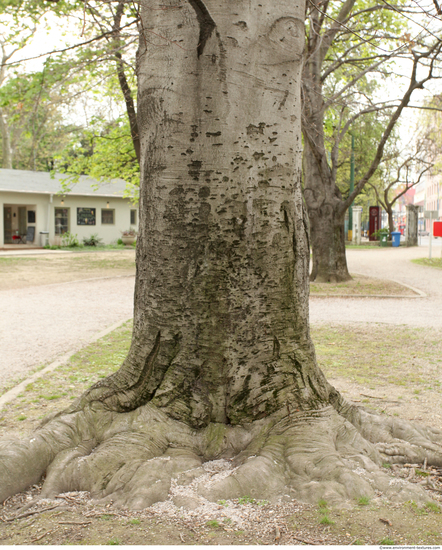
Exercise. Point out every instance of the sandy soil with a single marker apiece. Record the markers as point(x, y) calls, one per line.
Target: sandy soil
point(72, 518)
point(47, 269)
point(362, 286)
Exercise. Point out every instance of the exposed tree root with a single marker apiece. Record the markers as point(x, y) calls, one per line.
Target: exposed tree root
point(131, 458)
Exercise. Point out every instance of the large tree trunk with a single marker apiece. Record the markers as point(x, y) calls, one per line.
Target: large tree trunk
point(221, 363)
point(222, 216)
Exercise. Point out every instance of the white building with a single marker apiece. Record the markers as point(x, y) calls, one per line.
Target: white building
point(434, 193)
point(429, 196)
point(421, 193)
point(32, 204)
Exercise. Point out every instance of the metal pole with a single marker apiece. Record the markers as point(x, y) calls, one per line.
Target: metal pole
point(352, 186)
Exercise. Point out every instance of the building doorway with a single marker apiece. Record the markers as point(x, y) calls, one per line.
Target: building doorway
point(19, 224)
point(7, 224)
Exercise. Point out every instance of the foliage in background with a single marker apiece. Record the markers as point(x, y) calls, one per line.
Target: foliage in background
point(353, 49)
point(430, 124)
point(351, 84)
point(367, 132)
point(69, 240)
point(24, 108)
point(77, 115)
point(103, 151)
point(93, 240)
point(32, 104)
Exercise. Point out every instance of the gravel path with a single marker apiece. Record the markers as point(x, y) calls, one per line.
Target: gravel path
point(387, 263)
point(41, 322)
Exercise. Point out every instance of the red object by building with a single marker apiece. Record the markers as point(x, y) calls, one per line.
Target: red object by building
point(437, 229)
point(375, 222)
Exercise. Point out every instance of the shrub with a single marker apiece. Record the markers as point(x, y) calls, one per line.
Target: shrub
point(432, 506)
point(325, 520)
point(246, 500)
point(69, 240)
point(387, 540)
point(322, 503)
point(381, 232)
point(93, 240)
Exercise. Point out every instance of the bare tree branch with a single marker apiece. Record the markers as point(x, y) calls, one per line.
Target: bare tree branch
point(414, 84)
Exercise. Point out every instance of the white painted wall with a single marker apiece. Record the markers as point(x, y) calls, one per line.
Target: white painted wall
point(45, 204)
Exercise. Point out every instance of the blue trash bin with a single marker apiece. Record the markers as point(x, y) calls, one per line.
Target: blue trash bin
point(396, 238)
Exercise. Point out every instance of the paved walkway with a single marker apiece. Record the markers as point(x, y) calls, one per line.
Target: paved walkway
point(388, 263)
point(31, 252)
point(39, 323)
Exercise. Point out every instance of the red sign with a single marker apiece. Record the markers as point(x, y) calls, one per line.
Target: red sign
point(375, 221)
point(437, 229)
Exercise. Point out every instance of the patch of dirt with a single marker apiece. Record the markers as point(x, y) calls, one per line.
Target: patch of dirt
point(361, 286)
point(72, 518)
point(26, 271)
point(391, 370)
point(420, 406)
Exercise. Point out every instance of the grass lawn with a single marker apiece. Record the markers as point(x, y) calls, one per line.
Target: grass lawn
point(395, 359)
point(360, 286)
point(379, 354)
point(367, 246)
point(56, 390)
point(369, 363)
point(434, 262)
point(98, 248)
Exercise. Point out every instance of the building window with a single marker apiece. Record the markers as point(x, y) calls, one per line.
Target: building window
point(61, 221)
point(85, 216)
point(133, 217)
point(107, 216)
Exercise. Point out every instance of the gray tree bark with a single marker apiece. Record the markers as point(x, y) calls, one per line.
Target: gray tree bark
point(221, 363)
point(326, 215)
point(6, 142)
point(322, 195)
point(412, 225)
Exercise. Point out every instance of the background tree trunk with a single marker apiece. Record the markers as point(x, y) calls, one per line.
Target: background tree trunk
point(123, 81)
point(322, 196)
point(391, 227)
point(6, 143)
